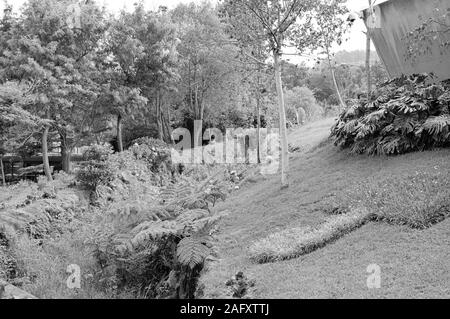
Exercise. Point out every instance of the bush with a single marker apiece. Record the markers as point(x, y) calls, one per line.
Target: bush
point(97, 152)
point(94, 173)
point(155, 153)
point(96, 170)
point(133, 132)
point(409, 114)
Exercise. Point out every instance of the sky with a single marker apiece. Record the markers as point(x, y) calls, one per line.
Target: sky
point(356, 37)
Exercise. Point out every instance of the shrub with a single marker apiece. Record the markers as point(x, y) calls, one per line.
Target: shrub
point(155, 152)
point(157, 248)
point(93, 174)
point(96, 170)
point(409, 114)
point(97, 152)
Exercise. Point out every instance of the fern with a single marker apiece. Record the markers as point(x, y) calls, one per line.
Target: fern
point(189, 217)
point(131, 213)
point(177, 191)
point(192, 251)
point(153, 231)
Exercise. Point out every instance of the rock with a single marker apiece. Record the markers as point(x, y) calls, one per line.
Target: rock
point(8, 291)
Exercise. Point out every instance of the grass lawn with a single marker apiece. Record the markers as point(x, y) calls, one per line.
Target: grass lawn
point(410, 243)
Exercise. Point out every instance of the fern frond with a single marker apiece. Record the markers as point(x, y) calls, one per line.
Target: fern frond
point(190, 216)
point(192, 251)
point(152, 231)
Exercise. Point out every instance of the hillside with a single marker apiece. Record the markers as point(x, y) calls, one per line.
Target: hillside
point(414, 263)
point(355, 57)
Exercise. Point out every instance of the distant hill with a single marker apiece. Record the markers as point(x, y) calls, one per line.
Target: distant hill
point(355, 57)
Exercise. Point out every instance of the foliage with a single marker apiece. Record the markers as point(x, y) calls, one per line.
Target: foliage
point(97, 152)
point(418, 199)
point(94, 174)
point(428, 35)
point(160, 236)
point(155, 152)
point(410, 114)
point(95, 171)
point(56, 63)
point(291, 243)
point(302, 97)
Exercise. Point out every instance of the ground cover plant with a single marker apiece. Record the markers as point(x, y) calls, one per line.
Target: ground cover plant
point(294, 242)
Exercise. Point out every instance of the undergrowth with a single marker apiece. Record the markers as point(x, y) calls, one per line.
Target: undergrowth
point(138, 226)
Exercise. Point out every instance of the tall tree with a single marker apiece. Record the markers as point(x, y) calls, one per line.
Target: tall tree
point(56, 58)
point(206, 59)
point(331, 27)
point(141, 66)
point(368, 75)
point(18, 126)
point(285, 23)
point(253, 56)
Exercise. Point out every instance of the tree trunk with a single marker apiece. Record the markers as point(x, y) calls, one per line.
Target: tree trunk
point(119, 133)
point(66, 160)
point(297, 115)
point(48, 174)
point(159, 117)
point(258, 127)
point(65, 153)
point(169, 128)
point(166, 130)
point(2, 171)
point(369, 80)
point(198, 141)
point(341, 101)
point(282, 113)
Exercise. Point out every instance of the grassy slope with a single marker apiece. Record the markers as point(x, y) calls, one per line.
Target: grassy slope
point(413, 263)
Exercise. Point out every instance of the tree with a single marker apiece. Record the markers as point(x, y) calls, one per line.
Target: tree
point(368, 75)
point(302, 103)
point(18, 126)
point(56, 60)
point(294, 75)
point(331, 27)
point(207, 64)
point(252, 55)
point(436, 29)
point(285, 23)
point(141, 66)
